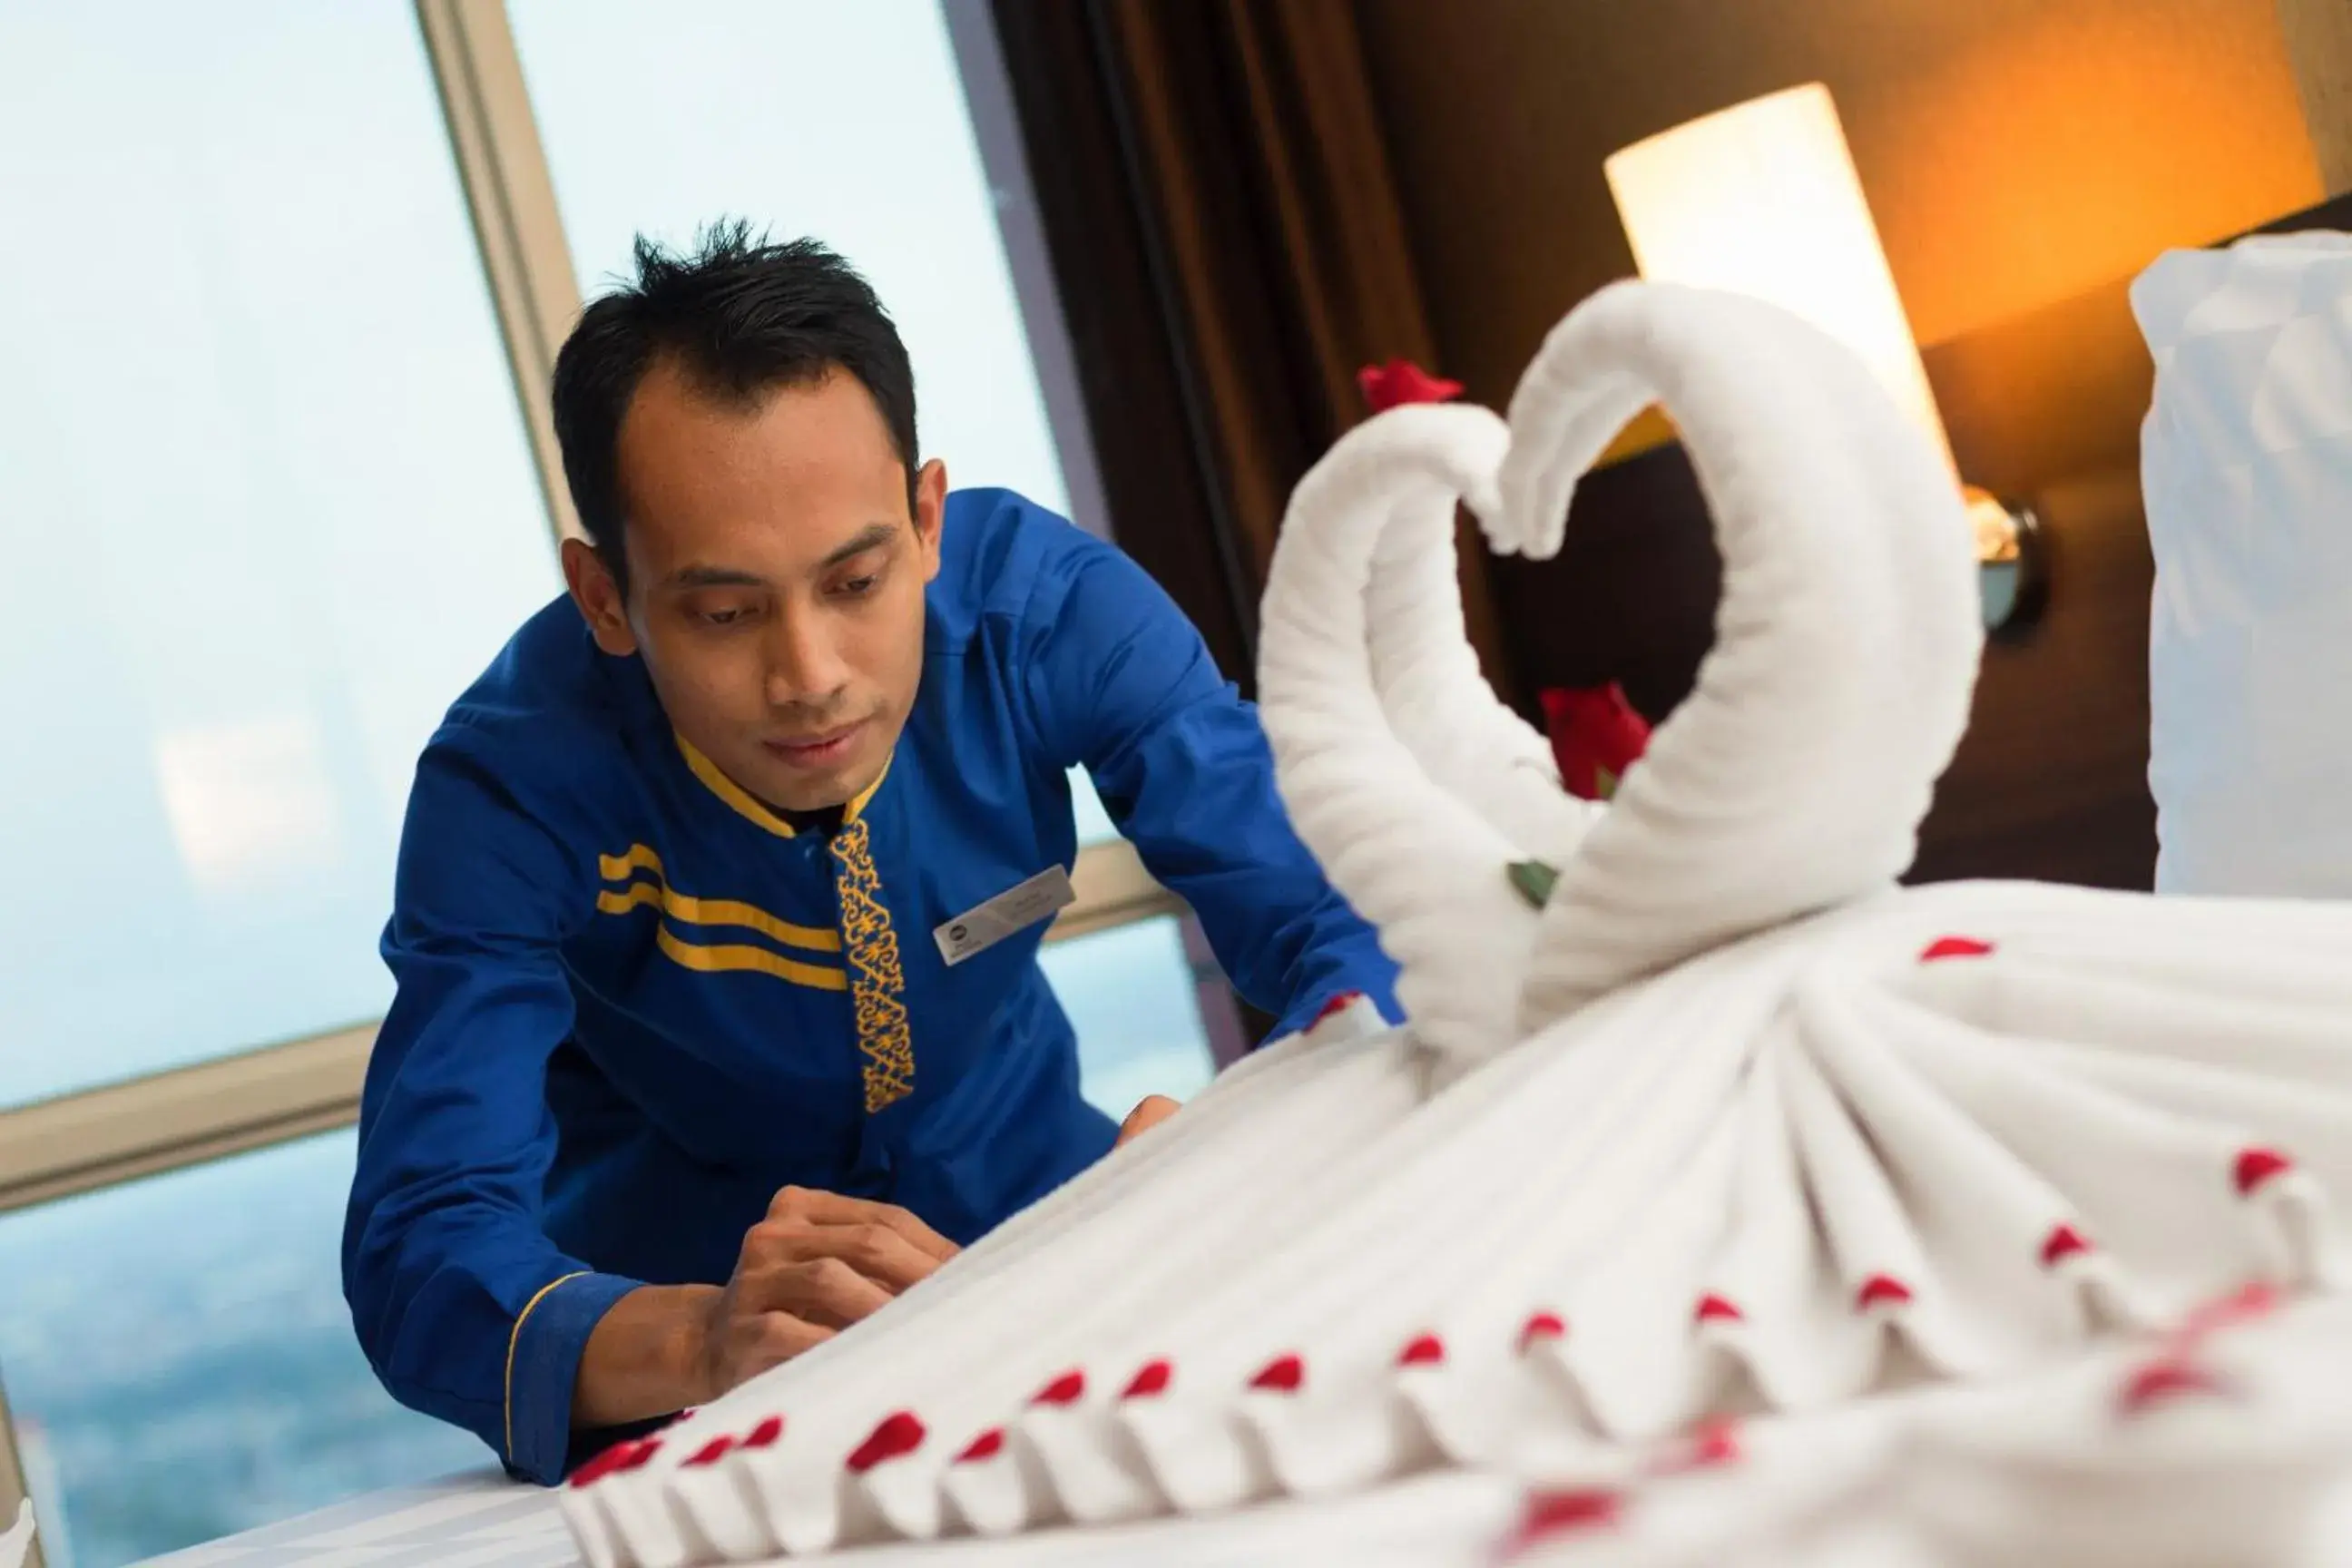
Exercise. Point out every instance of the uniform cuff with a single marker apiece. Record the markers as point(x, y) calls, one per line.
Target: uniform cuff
point(542, 1363)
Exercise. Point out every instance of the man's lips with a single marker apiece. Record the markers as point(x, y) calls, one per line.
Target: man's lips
point(814, 750)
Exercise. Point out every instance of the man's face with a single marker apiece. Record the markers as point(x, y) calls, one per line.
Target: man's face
point(775, 580)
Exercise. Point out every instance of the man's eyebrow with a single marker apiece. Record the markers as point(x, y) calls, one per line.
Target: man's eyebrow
point(871, 537)
point(713, 578)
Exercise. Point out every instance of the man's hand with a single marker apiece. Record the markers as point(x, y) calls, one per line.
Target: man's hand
point(1149, 1112)
point(817, 1263)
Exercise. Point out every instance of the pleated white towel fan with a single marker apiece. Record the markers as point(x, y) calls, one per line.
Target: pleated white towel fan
point(2229, 1448)
point(1732, 1124)
point(17, 1540)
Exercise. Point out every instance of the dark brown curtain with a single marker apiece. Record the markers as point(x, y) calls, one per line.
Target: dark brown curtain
point(1228, 246)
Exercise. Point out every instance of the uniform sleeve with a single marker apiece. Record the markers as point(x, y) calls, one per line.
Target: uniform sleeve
point(465, 1308)
point(1122, 684)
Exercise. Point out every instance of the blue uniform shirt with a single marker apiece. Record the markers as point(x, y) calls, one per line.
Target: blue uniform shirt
point(633, 1002)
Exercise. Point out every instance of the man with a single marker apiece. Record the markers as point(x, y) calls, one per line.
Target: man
point(708, 1038)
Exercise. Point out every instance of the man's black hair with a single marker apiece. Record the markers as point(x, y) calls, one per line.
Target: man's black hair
point(741, 317)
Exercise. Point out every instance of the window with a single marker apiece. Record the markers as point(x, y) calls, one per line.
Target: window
point(257, 415)
point(181, 1364)
point(1094, 825)
point(1135, 1003)
point(845, 122)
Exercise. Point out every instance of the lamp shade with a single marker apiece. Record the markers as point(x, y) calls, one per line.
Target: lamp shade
point(1762, 199)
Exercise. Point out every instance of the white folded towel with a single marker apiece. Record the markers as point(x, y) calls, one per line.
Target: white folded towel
point(2233, 1449)
point(16, 1542)
point(1732, 1124)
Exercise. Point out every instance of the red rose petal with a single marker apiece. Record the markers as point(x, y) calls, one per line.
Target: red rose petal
point(1426, 1351)
point(1151, 1378)
point(710, 1453)
point(1595, 735)
point(1714, 1308)
point(1881, 1290)
point(2257, 1166)
point(1955, 947)
point(1399, 382)
point(987, 1446)
point(1551, 1513)
point(765, 1434)
point(2257, 1298)
point(1066, 1389)
point(603, 1463)
point(1283, 1374)
point(899, 1433)
point(2063, 1243)
point(1710, 1443)
point(1541, 1326)
point(1337, 1006)
point(1715, 1443)
point(2164, 1380)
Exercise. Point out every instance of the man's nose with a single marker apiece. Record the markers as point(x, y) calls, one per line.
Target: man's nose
point(804, 666)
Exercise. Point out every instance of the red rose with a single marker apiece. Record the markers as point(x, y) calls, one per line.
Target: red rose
point(1595, 737)
point(1400, 381)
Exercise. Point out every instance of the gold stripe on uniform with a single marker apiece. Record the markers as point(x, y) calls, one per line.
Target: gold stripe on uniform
point(704, 912)
point(711, 957)
point(651, 890)
point(620, 867)
point(514, 1337)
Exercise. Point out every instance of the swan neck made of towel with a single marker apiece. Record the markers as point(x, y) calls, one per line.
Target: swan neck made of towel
point(1412, 784)
point(1795, 776)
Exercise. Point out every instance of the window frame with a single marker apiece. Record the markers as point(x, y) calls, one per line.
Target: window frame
point(255, 1098)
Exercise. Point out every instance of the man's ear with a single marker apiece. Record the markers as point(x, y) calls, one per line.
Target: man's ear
point(931, 511)
point(602, 605)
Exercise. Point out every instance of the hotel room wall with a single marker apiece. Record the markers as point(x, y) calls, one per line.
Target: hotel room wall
point(2023, 158)
point(2319, 41)
point(2016, 152)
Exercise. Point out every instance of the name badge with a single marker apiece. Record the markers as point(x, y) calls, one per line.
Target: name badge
point(1017, 908)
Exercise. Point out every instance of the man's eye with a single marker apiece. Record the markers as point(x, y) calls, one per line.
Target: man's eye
point(723, 617)
point(857, 587)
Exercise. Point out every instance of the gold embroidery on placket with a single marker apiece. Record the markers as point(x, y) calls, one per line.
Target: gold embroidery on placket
point(878, 985)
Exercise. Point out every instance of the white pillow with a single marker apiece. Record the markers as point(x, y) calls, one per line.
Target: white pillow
point(2246, 462)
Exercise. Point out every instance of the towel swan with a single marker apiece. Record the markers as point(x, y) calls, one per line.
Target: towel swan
point(1732, 1123)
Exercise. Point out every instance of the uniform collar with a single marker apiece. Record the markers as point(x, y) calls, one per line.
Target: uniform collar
point(748, 806)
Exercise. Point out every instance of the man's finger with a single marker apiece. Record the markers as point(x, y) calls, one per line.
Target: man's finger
point(817, 1207)
point(1149, 1112)
point(823, 1290)
point(831, 1290)
point(772, 1338)
point(870, 1247)
point(882, 1255)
